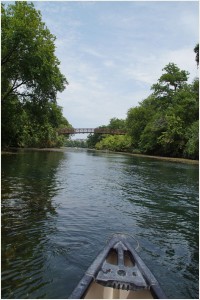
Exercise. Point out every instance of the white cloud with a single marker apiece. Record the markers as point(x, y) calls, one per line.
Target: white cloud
point(109, 63)
point(148, 69)
point(112, 52)
point(92, 51)
point(91, 100)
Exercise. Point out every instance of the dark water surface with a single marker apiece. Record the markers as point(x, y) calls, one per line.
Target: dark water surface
point(59, 209)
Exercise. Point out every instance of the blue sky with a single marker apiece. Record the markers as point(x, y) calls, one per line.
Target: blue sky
point(112, 52)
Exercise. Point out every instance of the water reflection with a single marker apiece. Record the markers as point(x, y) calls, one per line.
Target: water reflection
point(28, 218)
point(59, 209)
point(166, 208)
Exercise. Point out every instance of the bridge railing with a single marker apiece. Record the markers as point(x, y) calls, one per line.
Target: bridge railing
point(109, 131)
point(91, 130)
point(75, 130)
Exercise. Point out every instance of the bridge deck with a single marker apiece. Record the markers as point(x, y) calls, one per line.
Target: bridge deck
point(91, 130)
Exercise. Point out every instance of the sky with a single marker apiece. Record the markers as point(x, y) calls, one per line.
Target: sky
point(112, 52)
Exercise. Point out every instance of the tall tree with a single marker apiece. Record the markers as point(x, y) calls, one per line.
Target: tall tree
point(29, 65)
point(170, 81)
point(166, 123)
point(30, 77)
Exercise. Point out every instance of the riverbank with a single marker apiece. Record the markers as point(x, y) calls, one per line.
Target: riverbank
point(14, 150)
point(172, 159)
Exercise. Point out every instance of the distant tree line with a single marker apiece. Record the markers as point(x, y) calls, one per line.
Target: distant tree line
point(76, 143)
point(30, 79)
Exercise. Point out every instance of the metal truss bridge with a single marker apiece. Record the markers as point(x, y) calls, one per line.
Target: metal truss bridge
point(91, 130)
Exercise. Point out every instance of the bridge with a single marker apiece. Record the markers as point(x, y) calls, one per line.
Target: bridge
point(91, 130)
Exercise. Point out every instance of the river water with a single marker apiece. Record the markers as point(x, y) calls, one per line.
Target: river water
point(60, 208)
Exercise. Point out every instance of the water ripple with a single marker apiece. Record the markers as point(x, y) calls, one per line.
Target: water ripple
point(58, 210)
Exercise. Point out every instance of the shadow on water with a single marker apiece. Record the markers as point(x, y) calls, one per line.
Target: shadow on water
point(27, 217)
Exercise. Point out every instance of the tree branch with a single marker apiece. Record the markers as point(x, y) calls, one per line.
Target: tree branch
point(12, 89)
point(6, 57)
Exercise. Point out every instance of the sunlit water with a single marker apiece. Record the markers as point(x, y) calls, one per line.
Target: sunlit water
point(60, 208)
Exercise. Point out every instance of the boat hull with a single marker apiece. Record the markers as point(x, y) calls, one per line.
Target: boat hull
point(118, 272)
point(98, 291)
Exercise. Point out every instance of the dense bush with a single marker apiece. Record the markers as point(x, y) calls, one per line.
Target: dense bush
point(115, 143)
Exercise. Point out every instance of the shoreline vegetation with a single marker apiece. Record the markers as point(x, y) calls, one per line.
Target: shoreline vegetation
point(164, 124)
point(14, 150)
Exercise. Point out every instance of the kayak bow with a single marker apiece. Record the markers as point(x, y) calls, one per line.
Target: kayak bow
point(118, 272)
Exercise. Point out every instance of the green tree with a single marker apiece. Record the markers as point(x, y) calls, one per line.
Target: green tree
point(166, 123)
point(30, 78)
point(40, 125)
point(137, 119)
point(76, 143)
point(192, 145)
point(148, 142)
point(116, 123)
point(12, 121)
point(115, 143)
point(93, 139)
point(170, 81)
point(172, 139)
point(29, 65)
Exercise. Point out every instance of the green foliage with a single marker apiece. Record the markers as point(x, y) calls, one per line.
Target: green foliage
point(40, 126)
point(76, 143)
point(93, 139)
point(192, 146)
point(115, 143)
point(12, 116)
point(96, 138)
point(40, 136)
point(148, 141)
point(172, 80)
point(137, 119)
point(172, 138)
point(116, 123)
point(166, 123)
point(27, 56)
point(30, 79)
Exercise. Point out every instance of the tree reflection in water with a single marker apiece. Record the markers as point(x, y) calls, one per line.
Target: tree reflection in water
point(28, 216)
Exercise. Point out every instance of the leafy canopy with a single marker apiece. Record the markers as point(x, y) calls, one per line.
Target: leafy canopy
point(30, 79)
point(166, 123)
point(29, 65)
point(171, 80)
